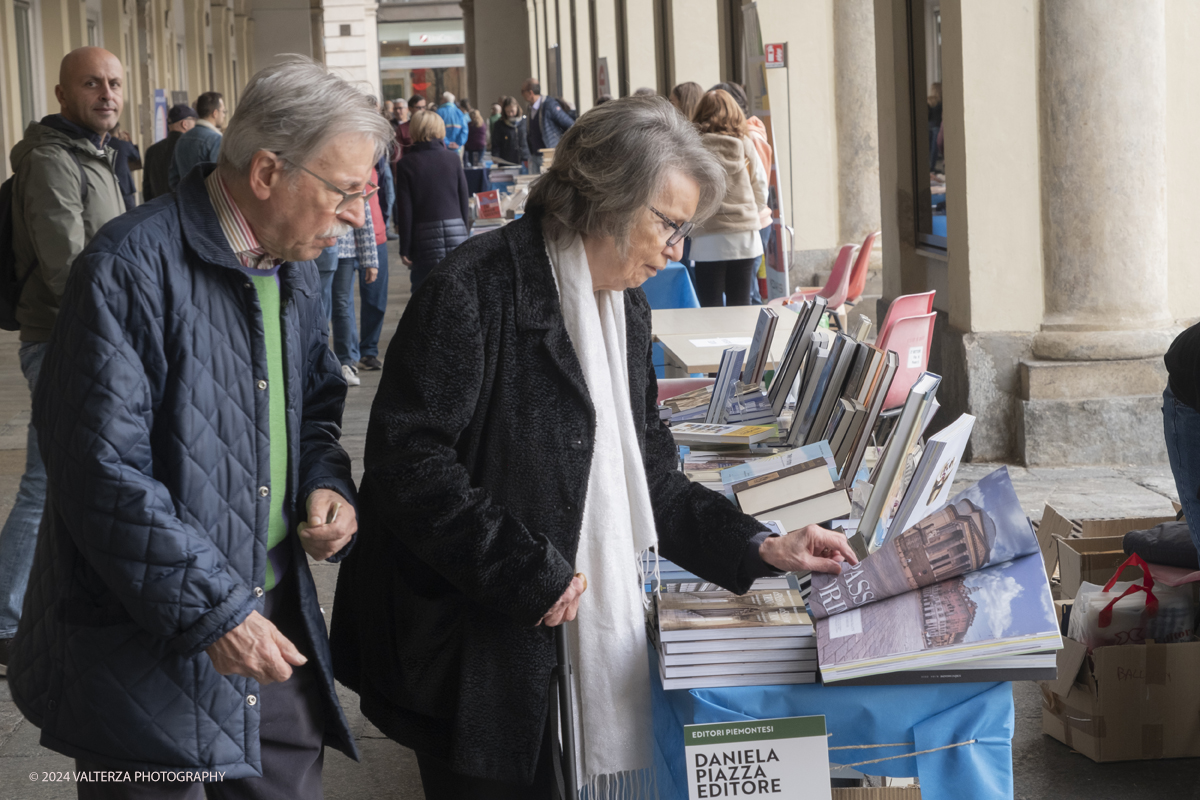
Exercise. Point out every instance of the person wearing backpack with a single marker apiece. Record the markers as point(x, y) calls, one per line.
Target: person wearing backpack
point(64, 189)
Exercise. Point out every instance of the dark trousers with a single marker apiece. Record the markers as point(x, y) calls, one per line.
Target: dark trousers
point(443, 783)
point(725, 283)
point(291, 733)
point(374, 306)
point(1181, 425)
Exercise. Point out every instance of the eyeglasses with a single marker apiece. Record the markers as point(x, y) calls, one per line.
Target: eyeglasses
point(679, 232)
point(347, 197)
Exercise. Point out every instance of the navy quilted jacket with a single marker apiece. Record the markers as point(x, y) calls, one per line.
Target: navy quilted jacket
point(154, 430)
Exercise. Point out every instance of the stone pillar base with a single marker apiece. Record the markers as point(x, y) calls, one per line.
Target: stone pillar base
point(1091, 412)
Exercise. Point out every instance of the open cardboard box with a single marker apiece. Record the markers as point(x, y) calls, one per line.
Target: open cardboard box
point(1093, 557)
point(1127, 703)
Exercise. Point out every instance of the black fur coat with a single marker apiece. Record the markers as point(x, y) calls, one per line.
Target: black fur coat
point(477, 460)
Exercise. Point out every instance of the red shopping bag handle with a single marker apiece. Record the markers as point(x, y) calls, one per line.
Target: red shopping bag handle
point(1147, 586)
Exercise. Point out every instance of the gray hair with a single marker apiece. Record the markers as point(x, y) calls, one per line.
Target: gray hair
point(614, 161)
point(448, 97)
point(294, 108)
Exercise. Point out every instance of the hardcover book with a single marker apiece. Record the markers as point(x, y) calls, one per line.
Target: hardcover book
point(965, 583)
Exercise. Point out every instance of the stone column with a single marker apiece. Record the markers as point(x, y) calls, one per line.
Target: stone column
point(857, 119)
point(1092, 391)
point(1104, 204)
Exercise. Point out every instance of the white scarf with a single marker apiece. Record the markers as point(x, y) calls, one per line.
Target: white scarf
point(613, 720)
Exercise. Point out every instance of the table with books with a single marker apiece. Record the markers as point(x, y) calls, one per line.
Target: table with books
point(908, 654)
point(693, 339)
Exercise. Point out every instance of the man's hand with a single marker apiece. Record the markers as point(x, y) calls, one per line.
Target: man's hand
point(568, 605)
point(407, 261)
point(453, 145)
point(319, 537)
point(810, 549)
point(256, 649)
point(372, 274)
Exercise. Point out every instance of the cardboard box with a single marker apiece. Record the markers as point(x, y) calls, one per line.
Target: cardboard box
point(1055, 526)
point(1127, 703)
point(1091, 560)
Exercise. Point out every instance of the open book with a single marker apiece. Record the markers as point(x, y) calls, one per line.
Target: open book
point(964, 583)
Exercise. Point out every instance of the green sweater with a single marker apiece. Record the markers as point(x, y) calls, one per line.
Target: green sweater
point(267, 287)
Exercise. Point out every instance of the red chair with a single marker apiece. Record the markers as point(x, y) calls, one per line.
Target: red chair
point(834, 290)
point(910, 339)
point(673, 387)
point(908, 305)
point(858, 274)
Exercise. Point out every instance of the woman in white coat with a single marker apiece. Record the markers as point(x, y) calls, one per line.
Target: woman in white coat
point(729, 248)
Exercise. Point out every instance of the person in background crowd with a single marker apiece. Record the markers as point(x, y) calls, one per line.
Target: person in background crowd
point(685, 97)
point(128, 160)
point(373, 293)
point(547, 122)
point(64, 189)
point(522, 336)
point(476, 138)
point(456, 124)
point(357, 250)
point(403, 137)
point(730, 247)
point(180, 120)
point(202, 143)
point(431, 199)
point(756, 132)
point(189, 414)
point(497, 112)
point(510, 134)
point(389, 110)
point(644, 91)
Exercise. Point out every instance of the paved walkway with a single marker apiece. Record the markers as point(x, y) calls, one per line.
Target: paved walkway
point(1043, 768)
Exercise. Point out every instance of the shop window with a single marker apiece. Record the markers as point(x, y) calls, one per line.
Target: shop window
point(928, 132)
point(424, 57)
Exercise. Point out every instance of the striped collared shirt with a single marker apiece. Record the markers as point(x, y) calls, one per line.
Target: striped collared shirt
point(250, 254)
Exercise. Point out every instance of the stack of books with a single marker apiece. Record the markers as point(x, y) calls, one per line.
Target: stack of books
point(796, 488)
point(708, 639)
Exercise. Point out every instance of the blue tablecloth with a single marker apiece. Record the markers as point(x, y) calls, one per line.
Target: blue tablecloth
point(929, 716)
point(670, 288)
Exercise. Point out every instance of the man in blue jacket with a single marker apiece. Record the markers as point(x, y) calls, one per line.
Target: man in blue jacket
point(189, 412)
point(202, 143)
point(456, 124)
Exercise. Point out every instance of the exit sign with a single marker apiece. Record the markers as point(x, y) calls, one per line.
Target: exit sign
point(776, 55)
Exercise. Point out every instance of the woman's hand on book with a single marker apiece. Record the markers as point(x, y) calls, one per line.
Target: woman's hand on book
point(809, 549)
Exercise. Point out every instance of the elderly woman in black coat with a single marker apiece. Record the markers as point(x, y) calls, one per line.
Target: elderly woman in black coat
point(515, 442)
point(431, 198)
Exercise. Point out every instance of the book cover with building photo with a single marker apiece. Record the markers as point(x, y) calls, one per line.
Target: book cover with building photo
point(981, 526)
point(965, 583)
point(1005, 609)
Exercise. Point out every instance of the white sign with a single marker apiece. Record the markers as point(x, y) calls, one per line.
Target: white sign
point(914, 356)
point(436, 38)
point(784, 758)
point(736, 341)
point(848, 623)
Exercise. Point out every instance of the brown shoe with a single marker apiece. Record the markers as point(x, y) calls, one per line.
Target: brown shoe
point(370, 363)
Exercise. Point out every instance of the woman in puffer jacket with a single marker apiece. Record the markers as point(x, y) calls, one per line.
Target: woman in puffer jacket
point(729, 248)
point(431, 198)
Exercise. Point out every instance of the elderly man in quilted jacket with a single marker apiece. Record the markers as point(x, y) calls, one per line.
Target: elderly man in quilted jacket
point(189, 413)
